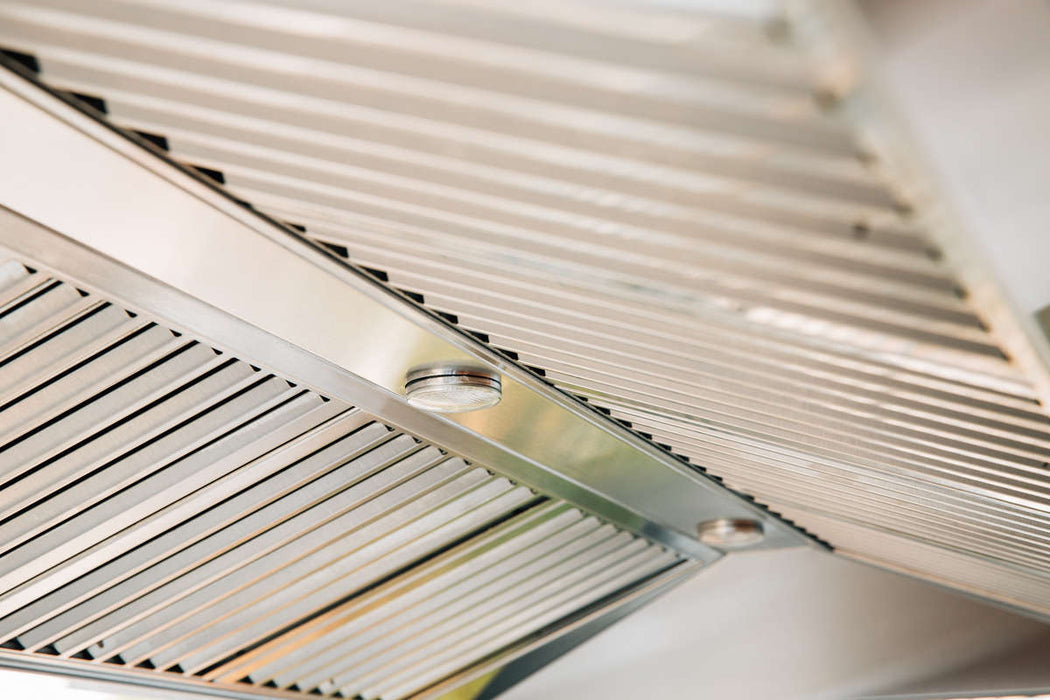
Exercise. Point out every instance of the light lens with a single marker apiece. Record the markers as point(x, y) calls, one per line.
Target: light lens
point(452, 389)
point(729, 533)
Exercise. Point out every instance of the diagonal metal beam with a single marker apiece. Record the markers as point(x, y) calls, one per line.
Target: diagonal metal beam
point(84, 201)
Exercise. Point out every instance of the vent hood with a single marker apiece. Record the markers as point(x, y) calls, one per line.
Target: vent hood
point(689, 244)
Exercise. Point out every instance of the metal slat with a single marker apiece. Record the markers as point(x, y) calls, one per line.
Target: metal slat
point(67, 349)
point(462, 602)
point(130, 434)
point(228, 524)
point(320, 641)
point(618, 574)
point(172, 497)
point(404, 94)
point(473, 520)
point(15, 280)
point(342, 561)
point(30, 320)
point(219, 554)
point(647, 204)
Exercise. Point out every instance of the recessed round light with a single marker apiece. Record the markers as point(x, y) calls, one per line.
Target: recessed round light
point(448, 388)
point(730, 533)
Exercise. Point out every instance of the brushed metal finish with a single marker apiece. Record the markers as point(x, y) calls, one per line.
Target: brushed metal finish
point(510, 577)
point(536, 433)
point(624, 601)
point(647, 204)
point(171, 507)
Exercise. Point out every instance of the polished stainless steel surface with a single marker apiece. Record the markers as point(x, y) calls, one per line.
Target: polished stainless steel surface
point(516, 578)
point(278, 304)
point(694, 222)
point(168, 506)
point(690, 220)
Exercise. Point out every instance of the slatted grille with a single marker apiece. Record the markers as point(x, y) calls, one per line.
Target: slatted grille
point(169, 507)
point(519, 576)
point(653, 206)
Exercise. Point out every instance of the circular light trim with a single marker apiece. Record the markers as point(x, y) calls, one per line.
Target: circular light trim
point(731, 533)
point(452, 388)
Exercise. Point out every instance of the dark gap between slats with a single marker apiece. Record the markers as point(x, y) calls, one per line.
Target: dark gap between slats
point(108, 390)
point(25, 60)
point(29, 297)
point(58, 330)
point(125, 455)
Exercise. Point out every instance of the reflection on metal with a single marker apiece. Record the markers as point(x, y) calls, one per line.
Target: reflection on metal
point(648, 205)
point(644, 204)
point(196, 249)
point(515, 579)
point(725, 533)
point(532, 653)
point(452, 388)
point(168, 506)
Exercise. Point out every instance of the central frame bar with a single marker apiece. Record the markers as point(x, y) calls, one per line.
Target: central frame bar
point(93, 206)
